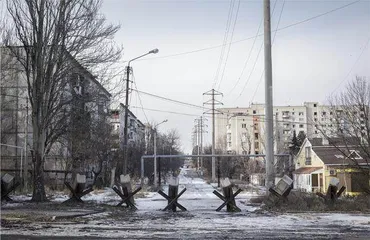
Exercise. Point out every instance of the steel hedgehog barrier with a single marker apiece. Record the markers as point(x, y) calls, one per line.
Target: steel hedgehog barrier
point(228, 197)
point(78, 189)
point(125, 192)
point(173, 195)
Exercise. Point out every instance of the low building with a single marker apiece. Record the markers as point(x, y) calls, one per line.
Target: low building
point(318, 162)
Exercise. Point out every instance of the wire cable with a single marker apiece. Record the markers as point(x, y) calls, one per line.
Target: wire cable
point(172, 100)
point(138, 94)
point(353, 66)
point(228, 51)
point(273, 41)
point(249, 38)
point(226, 34)
point(259, 52)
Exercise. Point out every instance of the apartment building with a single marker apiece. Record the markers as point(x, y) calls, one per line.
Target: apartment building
point(84, 106)
point(135, 130)
point(242, 130)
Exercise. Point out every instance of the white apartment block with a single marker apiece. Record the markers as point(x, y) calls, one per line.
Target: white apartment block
point(242, 130)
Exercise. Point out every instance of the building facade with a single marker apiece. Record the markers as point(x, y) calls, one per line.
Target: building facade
point(83, 109)
point(242, 130)
point(135, 130)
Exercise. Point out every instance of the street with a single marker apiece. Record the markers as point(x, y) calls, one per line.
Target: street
point(201, 221)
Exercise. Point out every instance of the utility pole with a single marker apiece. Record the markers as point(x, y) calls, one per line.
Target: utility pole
point(125, 137)
point(213, 102)
point(269, 125)
point(198, 132)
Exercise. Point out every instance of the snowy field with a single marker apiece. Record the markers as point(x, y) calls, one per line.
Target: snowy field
point(201, 221)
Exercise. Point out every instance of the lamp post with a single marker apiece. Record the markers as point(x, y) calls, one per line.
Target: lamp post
point(155, 152)
point(125, 145)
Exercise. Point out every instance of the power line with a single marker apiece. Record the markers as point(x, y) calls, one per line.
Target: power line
point(226, 34)
point(171, 100)
point(249, 38)
point(259, 52)
point(273, 41)
point(163, 111)
point(353, 66)
point(141, 103)
point(231, 39)
point(249, 55)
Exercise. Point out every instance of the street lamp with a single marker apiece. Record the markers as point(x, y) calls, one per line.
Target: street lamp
point(155, 151)
point(125, 160)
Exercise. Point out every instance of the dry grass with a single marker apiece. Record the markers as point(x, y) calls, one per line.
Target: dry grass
point(300, 201)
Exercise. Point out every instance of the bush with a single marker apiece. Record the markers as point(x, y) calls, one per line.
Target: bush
point(301, 201)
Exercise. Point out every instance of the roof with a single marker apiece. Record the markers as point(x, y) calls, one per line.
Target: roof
point(306, 170)
point(341, 155)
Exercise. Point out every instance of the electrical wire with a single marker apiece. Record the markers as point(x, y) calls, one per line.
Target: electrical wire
point(138, 95)
point(353, 66)
point(259, 52)
point(172, 100)
point(163, 111)
point(273, 41)
point(228, 51)
point(249, 38)
point(249, 55)
point(226, 34)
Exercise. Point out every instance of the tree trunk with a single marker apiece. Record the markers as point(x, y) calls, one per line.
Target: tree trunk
point(39, 194)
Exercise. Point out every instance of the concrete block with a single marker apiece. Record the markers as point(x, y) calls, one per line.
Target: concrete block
point(80, 178)
point(125, 178)
point(7, 178)
point(173, 181)
point(225, 182)
point(334, 181)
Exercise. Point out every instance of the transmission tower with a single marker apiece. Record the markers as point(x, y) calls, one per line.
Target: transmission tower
point(213, 102)
point(199, 129)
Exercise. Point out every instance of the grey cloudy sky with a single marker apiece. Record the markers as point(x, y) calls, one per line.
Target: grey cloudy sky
point(310, 60)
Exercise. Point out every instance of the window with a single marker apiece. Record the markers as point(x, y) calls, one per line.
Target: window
point(244, 125)
point(315, 105)
point(293, 126)
point(301, 125)
point(257, 152)
point(315, 113)
point(308, 155)
point(323, 113)
point(255, 135)
point(300, 113)
point(254, 111)
point(292, 113)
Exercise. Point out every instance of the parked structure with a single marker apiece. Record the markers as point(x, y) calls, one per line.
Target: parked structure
point(317, 162)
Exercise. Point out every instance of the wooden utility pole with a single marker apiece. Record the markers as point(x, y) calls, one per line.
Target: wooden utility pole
point(269, 124)
point(213, 102)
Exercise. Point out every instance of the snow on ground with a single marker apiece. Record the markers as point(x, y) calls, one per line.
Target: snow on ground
point(201, 221)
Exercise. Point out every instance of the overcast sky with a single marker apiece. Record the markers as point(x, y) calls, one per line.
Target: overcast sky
point(310, 60)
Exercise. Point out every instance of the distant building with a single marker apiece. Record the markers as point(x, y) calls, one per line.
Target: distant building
point(135, 130)
point(242, 130)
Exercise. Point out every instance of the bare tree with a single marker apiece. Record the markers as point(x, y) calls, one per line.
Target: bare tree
point(349, 126)
point(56, 39)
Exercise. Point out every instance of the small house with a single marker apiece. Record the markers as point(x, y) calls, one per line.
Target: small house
point(317, 162)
